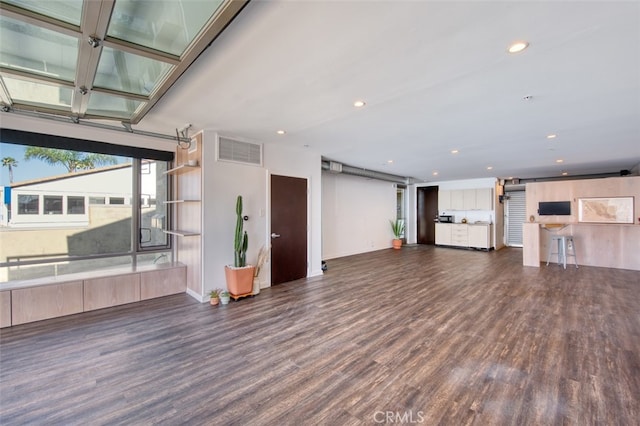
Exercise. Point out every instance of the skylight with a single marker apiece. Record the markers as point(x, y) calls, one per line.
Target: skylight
point(102, 59)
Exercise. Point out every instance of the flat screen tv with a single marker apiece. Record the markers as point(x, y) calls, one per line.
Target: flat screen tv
point(554, 208)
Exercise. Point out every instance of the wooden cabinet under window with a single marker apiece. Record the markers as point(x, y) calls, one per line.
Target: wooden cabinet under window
point(41, 298)
point(111, 291)
point(5, 309)
point(39, 303)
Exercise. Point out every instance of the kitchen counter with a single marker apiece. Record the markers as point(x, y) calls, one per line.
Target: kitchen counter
point(468, 235)
point(608, 245)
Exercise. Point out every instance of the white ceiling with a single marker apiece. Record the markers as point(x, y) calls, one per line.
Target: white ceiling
point(435, 76)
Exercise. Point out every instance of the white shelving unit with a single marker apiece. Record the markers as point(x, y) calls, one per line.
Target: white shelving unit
point(179, 170)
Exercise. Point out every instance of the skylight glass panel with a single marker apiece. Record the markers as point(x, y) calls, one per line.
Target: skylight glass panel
point(167, 26)
point(112, 106)
point(39, 94)
point(63, 10)
point(126, 72)
point(28, 48)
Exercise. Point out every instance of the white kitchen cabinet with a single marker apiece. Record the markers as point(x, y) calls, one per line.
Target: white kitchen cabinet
point(457, 199)
point(443, 234)
point(464, 235)
point(444, 200)
point(479, 236)
point(465, 199)
point(469, 199)
point(459, 235)
point(484, 199)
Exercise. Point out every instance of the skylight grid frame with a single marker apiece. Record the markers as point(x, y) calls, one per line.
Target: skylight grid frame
point(94, 24)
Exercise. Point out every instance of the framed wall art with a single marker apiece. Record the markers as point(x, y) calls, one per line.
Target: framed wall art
point(605, 210)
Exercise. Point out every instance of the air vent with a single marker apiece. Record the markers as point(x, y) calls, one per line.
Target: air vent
point(239, 152)
point(335, 167)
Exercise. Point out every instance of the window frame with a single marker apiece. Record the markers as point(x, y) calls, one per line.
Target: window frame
point(137, 156)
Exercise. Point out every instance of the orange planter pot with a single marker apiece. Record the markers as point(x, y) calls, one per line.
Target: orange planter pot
point(397, 244)
point(239, 280)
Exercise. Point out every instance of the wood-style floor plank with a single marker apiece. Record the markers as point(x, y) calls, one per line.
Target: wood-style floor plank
point(425, 335)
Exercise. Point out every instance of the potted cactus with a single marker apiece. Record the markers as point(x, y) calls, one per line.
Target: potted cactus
point(240, 275)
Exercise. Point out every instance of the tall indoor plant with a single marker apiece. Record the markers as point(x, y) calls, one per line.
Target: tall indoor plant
point(240, 275)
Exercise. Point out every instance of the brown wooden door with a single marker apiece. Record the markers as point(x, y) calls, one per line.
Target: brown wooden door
point(427, 211)
point(288, 228)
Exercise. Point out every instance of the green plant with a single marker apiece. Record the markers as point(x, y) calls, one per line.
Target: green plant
point(241, 241)
point(215, 293)
point(397, 227)
point(224, 293)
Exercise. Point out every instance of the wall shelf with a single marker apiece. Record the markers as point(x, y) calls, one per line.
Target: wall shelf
point(180, 233)
point(180, 169)
point(180, 201)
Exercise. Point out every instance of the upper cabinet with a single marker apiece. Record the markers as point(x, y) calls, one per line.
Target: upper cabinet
point(444, 200)
point(457, 200)
point(484, 199)
point(465, 199)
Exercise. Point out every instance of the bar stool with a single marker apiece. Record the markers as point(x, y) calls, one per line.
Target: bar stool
point(565, 248)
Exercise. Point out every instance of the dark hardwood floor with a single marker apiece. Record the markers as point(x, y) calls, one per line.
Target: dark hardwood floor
point(423, 335)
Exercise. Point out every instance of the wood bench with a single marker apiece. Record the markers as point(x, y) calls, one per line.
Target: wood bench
point(24, 301)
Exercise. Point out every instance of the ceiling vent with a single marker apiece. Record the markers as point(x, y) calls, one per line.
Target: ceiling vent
point(335, 167)
point(239, 152)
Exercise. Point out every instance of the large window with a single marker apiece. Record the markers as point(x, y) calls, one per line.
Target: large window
point(75, 205)
point(28, 204)
point(52, 204)
point(68, 216)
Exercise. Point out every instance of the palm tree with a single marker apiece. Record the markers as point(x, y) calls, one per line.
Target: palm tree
point(72, 160)
point(10, 163)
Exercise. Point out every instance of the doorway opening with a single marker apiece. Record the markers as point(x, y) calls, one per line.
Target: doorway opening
point(515, 215)
point(427, 206)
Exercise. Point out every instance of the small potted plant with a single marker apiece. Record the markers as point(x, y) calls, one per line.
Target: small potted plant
point(224, 297)
point(214, 296)
point(397, 227)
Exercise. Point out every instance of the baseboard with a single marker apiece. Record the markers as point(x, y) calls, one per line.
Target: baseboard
point(197, 296)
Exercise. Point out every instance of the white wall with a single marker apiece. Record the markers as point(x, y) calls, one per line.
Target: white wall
point(355, 214)
point(224, 181)
point(302, 163)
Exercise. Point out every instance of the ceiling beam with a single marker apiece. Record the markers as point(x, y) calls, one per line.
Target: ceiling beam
point(95, 20)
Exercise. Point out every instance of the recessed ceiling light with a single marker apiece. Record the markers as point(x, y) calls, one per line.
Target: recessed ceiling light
point(435, 173)
point(489, 167)
point(551, 136)
point(454, 151)
point(281, 132)
point(517, 46)
point(559, 160)
point(359, 104)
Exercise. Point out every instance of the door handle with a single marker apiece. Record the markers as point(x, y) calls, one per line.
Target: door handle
point(274, 235)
